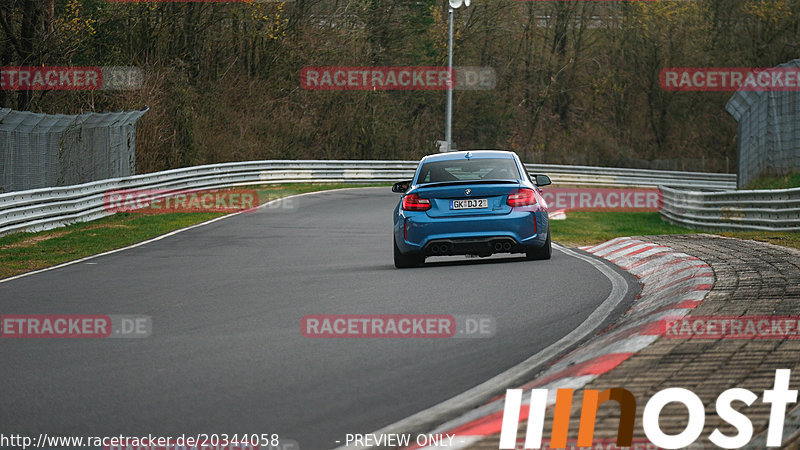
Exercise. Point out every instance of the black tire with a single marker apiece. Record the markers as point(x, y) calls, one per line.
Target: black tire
point(544, 252)
point(404, 261)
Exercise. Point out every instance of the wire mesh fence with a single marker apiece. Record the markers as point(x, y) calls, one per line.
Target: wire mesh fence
point(43, 150)
point(769, 131)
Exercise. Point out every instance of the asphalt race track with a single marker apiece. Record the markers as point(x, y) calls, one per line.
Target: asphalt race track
point(227, 355)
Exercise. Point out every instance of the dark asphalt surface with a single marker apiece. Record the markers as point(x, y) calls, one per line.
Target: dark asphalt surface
point(227, 355)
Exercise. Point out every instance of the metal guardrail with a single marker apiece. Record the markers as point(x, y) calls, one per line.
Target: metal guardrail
point(619, 177)
point(46, 208)
point(762, 210)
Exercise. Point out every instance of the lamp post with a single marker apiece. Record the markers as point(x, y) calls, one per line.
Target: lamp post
point(448, 128)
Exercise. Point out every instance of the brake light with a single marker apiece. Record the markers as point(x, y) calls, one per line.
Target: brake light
point(521, 197)
point(412, 202)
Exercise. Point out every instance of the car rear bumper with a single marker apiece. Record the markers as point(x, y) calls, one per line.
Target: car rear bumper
point(516, 232)
point(472, 246)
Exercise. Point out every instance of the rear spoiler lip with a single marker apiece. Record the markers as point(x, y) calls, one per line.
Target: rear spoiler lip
point(456, 183)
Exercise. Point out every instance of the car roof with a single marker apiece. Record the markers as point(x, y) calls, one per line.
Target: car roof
point(452, 156)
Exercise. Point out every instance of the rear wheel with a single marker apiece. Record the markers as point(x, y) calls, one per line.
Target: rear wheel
point(405, 261)
point(543, 252)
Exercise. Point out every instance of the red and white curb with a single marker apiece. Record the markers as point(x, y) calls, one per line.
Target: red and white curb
point(673, 284)
point(559, 214)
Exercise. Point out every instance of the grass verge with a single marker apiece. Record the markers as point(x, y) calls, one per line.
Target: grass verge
point(588, 228)
point(24, 252)
point(791, 180)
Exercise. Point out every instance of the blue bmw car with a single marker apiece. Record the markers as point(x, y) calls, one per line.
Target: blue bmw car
point(470, 203)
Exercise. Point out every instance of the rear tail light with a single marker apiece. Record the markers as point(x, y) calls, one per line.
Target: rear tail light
point(521, 197)
point(412, 202)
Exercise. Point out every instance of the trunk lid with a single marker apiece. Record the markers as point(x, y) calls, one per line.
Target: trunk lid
point(442, 196)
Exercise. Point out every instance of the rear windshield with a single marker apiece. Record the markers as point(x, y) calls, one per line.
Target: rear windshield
point(469, 170)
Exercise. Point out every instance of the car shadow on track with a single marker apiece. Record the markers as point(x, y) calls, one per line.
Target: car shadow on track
point(460, 261)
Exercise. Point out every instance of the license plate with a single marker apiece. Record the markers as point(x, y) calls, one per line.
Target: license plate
point(472, 203)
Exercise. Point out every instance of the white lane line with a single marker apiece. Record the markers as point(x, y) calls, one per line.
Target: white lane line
point(481, 393)
point(164, 236)
point(567, 382)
